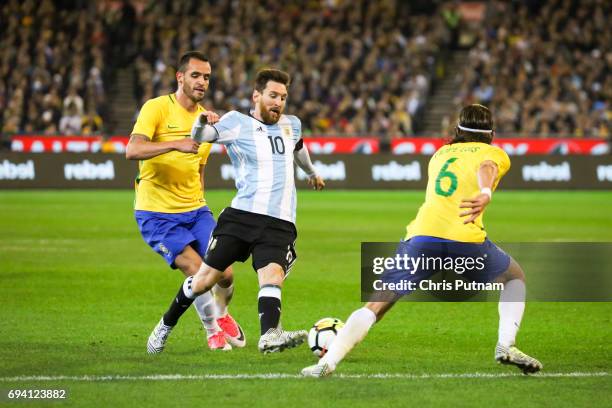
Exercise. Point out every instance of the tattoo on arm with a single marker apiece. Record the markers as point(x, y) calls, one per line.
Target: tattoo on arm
point(136, 137)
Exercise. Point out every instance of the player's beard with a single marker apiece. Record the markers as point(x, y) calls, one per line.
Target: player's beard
point(269, 117)
point(191, 93)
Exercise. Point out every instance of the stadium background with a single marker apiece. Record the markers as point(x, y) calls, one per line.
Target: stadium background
point(376, 83)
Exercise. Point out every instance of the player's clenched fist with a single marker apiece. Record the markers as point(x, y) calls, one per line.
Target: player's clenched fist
point(209, 117)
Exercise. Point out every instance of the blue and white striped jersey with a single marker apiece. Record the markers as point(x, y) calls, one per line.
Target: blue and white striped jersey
point(262, 157)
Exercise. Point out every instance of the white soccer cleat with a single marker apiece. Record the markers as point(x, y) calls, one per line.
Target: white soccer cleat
point(514, 356)
point(158, 337)
point(276, 340)
point(317, 371)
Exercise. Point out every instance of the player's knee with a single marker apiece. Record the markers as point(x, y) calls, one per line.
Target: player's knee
point(189, 262)
point(228, 277)
point(189, 269)
point(272, 274)
point(513, 272)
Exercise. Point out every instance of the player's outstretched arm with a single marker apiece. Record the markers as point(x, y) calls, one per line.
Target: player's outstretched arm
point(302, 158)
point(487, 173)
point(140, 147)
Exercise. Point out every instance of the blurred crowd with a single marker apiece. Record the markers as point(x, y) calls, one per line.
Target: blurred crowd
point(51, 69)
point(544, 67)
point(358, 67)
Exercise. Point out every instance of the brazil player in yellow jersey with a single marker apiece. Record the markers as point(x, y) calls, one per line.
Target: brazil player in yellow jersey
point(170, 208)
point(462, 176)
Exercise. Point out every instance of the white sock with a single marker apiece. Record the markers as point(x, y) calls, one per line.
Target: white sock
point(187, 291)
point(223, 297)
point(511, 308)
point(205, 306)
point(355, 329)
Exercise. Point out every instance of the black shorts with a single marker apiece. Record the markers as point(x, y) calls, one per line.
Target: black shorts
point(239, 234)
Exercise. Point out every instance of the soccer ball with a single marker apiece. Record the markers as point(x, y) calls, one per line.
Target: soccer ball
point(322, 334)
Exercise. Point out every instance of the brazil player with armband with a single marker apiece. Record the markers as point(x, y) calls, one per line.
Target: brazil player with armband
point(170, 208)
point(462, 177)
point(260, 221)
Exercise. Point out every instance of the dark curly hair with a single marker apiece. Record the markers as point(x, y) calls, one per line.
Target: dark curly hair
point(475, 125)
point(268, 74)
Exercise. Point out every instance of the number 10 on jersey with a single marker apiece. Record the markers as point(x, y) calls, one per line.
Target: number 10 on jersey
point(277, 144)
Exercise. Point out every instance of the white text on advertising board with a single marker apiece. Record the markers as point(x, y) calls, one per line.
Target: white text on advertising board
point(547, 172)
point(393, 171)
point(333, 171)
point(17, 171)
point(87, 170)
point(604, 173)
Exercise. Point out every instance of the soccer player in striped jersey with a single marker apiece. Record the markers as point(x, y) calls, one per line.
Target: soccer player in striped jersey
point(462, 178)
point(260, 222)
point(171, 211)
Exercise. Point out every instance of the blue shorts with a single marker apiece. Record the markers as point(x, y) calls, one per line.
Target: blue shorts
point(489, 261)
point(168, 234)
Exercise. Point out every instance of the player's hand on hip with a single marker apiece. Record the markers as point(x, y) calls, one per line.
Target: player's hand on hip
point(316, 182)
point(475, 206)
point(211, 117)
point(186, 145)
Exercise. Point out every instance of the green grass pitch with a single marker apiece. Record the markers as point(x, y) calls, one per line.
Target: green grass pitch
point(81, 291)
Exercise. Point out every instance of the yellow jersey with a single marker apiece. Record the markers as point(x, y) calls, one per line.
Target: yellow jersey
point(170, 182)
point(452, 177)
